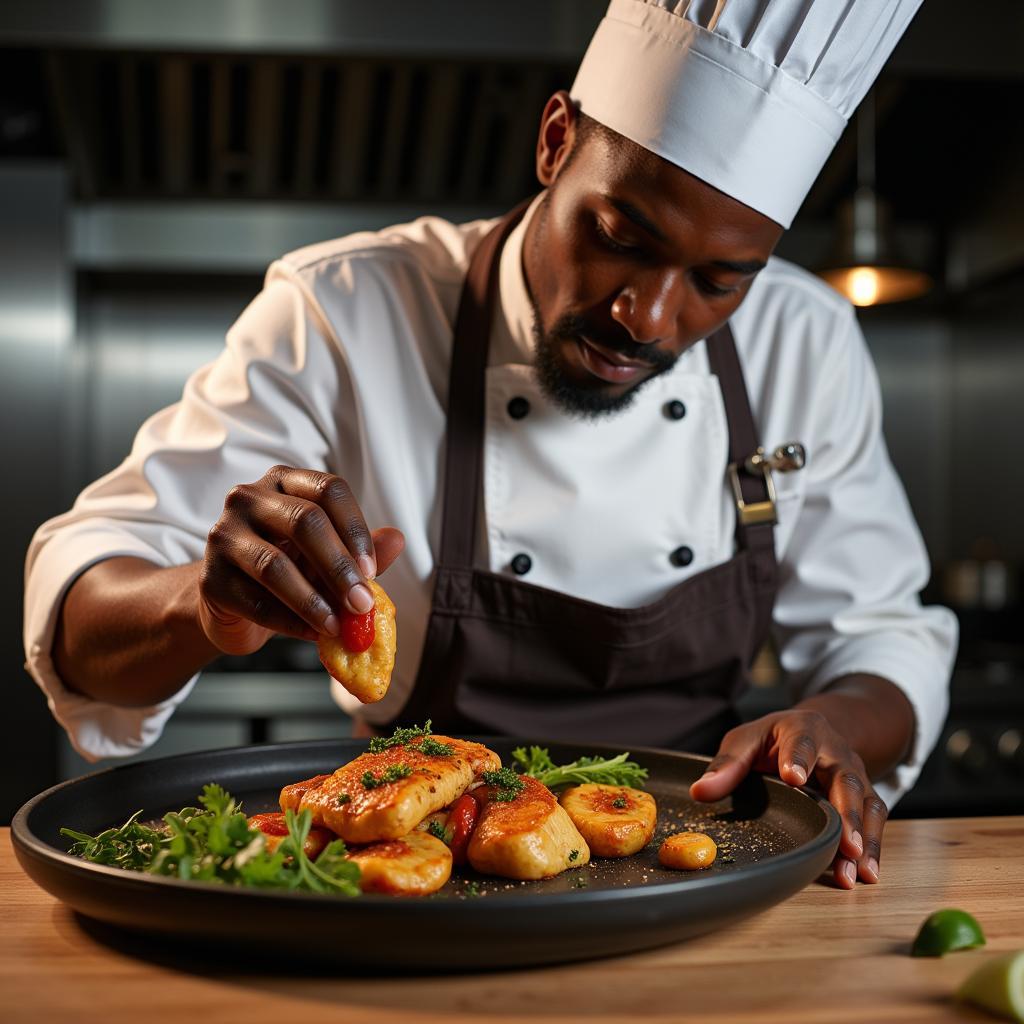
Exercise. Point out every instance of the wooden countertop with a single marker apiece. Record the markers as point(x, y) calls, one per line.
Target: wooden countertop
point(823, 957)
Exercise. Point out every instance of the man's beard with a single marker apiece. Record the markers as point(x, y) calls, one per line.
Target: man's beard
point(582, 402)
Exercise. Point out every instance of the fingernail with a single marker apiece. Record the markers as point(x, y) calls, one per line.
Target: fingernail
point(872, 868)
point(858, 842)
point(850, 872)
point(709, 773)
point(800, 774)
point(360, 598)
point(367, 566)
point(331, 625)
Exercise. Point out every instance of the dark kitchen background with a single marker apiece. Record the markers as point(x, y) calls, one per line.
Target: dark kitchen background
point(154, 158)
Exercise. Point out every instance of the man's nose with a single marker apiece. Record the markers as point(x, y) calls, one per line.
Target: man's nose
point(650, 307)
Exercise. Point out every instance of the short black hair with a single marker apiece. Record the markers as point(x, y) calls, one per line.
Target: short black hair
point(588, 128)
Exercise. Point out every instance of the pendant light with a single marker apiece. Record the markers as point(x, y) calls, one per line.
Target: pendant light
point(864, 266)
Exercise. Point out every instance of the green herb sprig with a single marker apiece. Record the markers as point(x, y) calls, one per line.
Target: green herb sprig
point(506, 784)
point(609, 771)
point(214, 843)
point(401, 737)
point(390, 774)
point(433, 748)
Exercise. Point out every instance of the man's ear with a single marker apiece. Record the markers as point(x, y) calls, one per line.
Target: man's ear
point(557, 133)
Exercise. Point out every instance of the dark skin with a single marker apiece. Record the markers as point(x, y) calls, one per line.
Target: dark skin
point(651, 260)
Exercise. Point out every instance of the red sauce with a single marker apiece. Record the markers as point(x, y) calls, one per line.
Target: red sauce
point(357, 631)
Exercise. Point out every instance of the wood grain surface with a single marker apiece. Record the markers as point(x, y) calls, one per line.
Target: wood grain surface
point(824, 956)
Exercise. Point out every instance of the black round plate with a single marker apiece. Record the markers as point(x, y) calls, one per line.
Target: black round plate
point(773, 840)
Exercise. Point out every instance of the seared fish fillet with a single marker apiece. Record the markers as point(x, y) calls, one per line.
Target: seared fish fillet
point(529, 837)
point(415, 865)
point(389, 810)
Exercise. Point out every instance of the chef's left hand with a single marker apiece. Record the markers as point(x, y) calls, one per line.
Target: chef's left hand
point(799, 745)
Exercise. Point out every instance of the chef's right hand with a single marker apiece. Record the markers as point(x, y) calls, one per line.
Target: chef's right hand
point(288, 554)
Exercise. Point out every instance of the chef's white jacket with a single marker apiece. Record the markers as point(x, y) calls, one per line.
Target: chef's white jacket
point(341, 363)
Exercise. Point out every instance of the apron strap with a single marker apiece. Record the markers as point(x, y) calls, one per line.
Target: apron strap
point(467, 396)
point(725, 364)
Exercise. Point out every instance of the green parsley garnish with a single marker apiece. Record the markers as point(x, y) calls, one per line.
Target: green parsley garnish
point(573, 855)
point(433, 748)
point(620, 802)
point(472, 889)
point(399, 738)
point(214, 843)
point(442, 832)
point(507, 784)
point(610, 771)
point(391, 774)
point(341, 799)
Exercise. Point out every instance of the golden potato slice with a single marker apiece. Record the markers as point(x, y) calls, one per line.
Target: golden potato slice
point(365, 674)
point(616, 821)
point(687, 851)
point(528, 837)
point(415, 865)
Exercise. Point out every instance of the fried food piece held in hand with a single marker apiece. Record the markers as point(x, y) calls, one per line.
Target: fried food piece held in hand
point(363, 657)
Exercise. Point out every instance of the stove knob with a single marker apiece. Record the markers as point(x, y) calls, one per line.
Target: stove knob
point(967, 753)
point(1010, 747)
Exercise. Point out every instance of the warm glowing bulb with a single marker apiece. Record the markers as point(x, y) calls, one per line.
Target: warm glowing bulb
point(863, 286)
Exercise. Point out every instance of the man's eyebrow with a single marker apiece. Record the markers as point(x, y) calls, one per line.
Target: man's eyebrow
point(740, 266)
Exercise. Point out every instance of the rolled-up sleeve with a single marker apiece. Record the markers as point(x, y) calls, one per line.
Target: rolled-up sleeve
point(856, 563)
point(272, 396)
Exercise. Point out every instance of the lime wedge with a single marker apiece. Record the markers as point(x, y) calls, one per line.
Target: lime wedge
point(946, 931)
point(998, 986)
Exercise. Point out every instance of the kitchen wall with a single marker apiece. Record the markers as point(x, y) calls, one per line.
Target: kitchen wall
point(144, 185)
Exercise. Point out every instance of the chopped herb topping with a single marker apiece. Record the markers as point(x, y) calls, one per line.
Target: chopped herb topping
point(439, 831)
point(579, 882)
point(433, 748)
point(620, 802)
point(399, 738)
point(506, 784)
point(573, 855)
point(342, 799)
point(472, 889)
point(391, 774)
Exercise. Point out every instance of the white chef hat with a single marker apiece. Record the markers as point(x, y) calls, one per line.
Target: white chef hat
point(750, 96)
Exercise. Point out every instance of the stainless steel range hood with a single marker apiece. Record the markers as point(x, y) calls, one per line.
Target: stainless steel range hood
point(543, 30)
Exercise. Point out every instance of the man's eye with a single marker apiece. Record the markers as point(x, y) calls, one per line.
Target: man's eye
point(708, 287)
point(606, 239)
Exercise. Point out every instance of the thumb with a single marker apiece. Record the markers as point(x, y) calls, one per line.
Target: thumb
point(387, 545)
point(729, 766)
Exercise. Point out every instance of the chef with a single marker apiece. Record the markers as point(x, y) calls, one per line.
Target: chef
point(560, 439)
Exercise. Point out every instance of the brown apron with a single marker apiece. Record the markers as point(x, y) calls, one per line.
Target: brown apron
point(503, 656)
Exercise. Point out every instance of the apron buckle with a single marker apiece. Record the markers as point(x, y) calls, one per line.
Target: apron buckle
point(752, 513)
point(785, 459)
